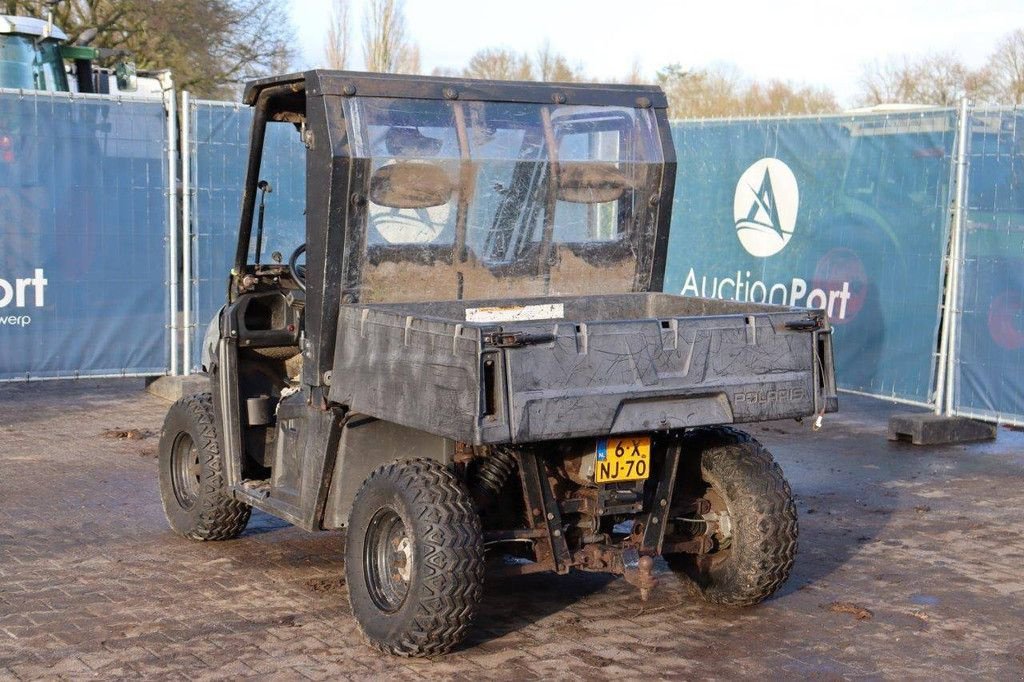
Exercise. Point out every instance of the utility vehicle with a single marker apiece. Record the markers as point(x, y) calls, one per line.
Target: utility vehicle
point(467, 362)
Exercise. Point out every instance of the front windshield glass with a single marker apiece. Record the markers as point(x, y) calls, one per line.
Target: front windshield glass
point(29, 65)
point(487, 200)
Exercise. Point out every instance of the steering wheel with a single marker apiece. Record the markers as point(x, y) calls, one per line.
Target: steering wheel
point(297, 271)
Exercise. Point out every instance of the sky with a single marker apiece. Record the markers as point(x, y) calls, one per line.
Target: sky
point(817, 43)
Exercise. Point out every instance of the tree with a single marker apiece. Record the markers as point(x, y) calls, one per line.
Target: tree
point(386, 47)
point(498, 63)
point(781, 98)
point(210, 46)
point(700, 93)
point(1004, 82)
point(721, 90)
point(554, 67)
point(635, 75)
point(939, 78)
point(336, 49)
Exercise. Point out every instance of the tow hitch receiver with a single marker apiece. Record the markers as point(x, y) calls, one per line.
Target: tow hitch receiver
point(639, 571)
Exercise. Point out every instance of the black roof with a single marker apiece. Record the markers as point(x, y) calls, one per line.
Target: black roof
point(324, 82)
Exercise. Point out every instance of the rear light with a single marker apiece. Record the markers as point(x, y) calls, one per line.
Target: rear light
point(6, 149)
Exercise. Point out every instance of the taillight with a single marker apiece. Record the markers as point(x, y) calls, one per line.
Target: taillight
point(6, 148)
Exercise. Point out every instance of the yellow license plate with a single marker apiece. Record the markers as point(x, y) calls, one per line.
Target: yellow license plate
point(626, 458)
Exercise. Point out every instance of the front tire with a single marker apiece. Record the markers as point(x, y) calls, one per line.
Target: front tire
point(196, 502)
point(752, 512)
point(414, 559)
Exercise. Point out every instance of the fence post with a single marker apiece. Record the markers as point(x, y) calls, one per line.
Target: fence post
point(186, 234)
point(171, 105)
point(951, 298)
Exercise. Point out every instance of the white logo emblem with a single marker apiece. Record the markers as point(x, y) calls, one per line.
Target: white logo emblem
point(765, 207)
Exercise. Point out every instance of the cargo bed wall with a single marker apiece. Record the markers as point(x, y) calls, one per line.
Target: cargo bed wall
point(605, 364)
point(417, 372)
point(621, 377)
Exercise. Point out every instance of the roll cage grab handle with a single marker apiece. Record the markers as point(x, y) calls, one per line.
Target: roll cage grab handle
point(256, 139)
point(252, 172)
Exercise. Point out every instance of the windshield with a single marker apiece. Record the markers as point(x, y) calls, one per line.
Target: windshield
point(485, 199)
point(30, 66)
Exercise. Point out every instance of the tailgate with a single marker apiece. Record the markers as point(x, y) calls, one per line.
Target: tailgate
point(607, 377)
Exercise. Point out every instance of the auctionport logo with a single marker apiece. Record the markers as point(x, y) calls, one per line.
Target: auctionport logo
point(21, 292)
point(765, 206)
point(764, 213)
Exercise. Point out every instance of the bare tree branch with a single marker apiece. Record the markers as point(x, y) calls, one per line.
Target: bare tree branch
point(386, 48)
point(338, 33)
point(1004, 82)
point(499, 64)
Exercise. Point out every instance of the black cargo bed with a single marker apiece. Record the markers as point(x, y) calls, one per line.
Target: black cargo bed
point(485, 372)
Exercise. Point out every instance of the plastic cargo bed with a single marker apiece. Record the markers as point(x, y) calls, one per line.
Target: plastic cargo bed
point(527, 370)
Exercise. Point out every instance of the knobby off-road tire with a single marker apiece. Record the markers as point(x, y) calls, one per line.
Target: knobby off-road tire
point(741, 475)
point(192, 488)
point(414, 559)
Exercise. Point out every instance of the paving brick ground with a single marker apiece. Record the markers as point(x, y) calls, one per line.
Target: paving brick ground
point(921, 548)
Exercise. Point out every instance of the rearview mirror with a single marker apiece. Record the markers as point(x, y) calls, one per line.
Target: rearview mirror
point(410, 184)
point(591, 183)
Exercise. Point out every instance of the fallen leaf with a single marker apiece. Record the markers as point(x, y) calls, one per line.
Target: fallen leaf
point(856, 610)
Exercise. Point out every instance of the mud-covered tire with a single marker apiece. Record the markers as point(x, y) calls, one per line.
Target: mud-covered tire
point(192, 488)
point(414, 559)
point(762, 513)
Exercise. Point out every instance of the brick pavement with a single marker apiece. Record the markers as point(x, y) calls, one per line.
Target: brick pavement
point(94, 585)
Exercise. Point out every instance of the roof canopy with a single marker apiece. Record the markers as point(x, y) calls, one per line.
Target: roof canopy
point(354, 83)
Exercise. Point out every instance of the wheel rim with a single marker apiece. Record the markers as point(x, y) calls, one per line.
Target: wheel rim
point(717, 524)
point(387, 560)
point(186, 470)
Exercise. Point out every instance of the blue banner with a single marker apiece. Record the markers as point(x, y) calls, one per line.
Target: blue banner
point(989, 341)
point(846, 213)
point(83, 223)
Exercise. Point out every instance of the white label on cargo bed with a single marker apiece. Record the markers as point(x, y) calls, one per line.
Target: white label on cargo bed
point(516, 313)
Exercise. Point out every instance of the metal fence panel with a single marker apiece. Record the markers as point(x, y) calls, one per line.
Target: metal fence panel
point(988, 352)
point(219, 152)
point(83, 223)
point(847, 213)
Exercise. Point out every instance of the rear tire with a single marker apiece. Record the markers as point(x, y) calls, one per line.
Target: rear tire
point(755, 545)
point(192, 489)
point(414, 559)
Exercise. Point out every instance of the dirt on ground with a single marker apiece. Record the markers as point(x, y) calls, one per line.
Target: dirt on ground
point(909, 568)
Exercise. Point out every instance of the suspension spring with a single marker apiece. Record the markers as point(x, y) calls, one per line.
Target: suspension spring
point(494, 470)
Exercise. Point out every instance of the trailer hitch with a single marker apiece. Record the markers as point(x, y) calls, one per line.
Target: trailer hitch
point(638, 570)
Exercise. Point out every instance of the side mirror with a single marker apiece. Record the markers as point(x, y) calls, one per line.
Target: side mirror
point(125, 73)
point(410, 184)
point(591, 182)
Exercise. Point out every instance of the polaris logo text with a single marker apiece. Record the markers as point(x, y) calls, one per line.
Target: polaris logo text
point(781, 395)
point(22, 292)
point(796, 293)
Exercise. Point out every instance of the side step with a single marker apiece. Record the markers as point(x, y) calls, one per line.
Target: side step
point(258, 489)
